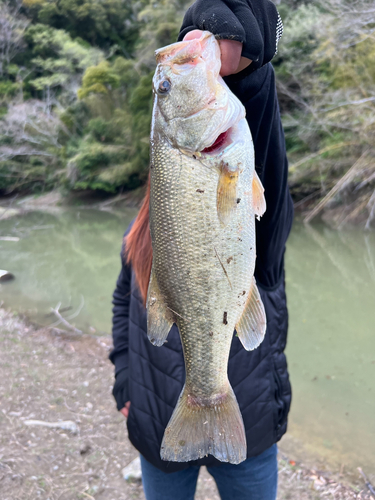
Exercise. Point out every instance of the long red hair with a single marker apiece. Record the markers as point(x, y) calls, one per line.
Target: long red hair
point(138, 246)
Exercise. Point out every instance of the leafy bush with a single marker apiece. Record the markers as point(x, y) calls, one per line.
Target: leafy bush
point(99, 79)
point(8, 89)
point(78, 78)
point(99, 167)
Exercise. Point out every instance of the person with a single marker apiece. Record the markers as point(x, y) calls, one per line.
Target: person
point(149, 379)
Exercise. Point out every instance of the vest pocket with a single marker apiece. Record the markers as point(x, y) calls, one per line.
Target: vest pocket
point(280, 411)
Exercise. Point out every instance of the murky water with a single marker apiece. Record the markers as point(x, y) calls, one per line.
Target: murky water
point(331, 344)
point(72, 257)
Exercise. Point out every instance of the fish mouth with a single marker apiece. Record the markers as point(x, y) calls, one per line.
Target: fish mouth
point(222, 141)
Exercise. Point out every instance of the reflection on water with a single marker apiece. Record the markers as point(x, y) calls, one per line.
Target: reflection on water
point(73, 257)
point(331, 347)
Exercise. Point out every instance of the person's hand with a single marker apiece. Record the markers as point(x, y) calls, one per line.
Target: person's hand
point(125, 410)
point(231, 60)
point(254, 24)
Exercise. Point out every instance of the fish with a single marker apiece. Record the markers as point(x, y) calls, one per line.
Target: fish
point(205, 196)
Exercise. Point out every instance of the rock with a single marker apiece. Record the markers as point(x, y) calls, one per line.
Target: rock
point(68, 425)
point(133, 471)
point(85, 448)
point(6, 275)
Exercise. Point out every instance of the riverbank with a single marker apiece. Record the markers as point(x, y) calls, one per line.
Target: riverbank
point(353, 213)
point(51, 376)
point(55, 200)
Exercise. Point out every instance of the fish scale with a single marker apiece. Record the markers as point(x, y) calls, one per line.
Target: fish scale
point(202, 221)
point(191, 218)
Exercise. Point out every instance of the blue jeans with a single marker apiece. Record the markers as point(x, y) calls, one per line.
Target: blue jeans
point(253, 479)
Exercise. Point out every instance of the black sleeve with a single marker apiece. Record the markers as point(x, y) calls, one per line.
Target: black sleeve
point(255, 23)
point(120, 331)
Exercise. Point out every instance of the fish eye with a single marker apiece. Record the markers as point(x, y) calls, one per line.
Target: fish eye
point(164, 87)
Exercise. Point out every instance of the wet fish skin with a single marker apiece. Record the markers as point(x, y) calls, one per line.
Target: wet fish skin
point(202, 211)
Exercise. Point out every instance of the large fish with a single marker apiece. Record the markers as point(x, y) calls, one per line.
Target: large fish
point(205, 195)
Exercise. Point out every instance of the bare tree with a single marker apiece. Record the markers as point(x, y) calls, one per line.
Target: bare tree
point(12, 28)
point(31, 129)
point(327, 93)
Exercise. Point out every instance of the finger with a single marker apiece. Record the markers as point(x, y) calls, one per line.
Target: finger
point(230, 56)
point(231, 60)
point(192, 35)
point(244, 63)
point(125, 412)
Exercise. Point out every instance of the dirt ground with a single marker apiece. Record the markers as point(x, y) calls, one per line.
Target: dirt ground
point(52, 377)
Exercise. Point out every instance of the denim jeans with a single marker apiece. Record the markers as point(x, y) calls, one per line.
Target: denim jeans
point(253, 479)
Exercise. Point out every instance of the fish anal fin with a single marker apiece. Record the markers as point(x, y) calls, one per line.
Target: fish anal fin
point(198, 428)
point(159, 317)
point(227, 192)
point(259, 201)
point(251, 327)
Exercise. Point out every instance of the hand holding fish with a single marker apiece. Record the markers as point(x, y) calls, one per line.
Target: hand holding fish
point(231, 60)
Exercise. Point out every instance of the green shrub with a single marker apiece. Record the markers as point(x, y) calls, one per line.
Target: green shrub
point(8, 89)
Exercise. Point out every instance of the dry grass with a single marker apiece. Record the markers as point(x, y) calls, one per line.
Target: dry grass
point(50, 377)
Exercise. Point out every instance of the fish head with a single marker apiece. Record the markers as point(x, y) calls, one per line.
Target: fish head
point(192, 104)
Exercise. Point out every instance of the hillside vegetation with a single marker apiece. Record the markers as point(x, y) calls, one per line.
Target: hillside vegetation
point(75, 96)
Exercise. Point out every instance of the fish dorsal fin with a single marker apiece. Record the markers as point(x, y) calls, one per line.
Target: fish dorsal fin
point(259, 201)
point(159, 317)
point(226, 192)
point(251, 327)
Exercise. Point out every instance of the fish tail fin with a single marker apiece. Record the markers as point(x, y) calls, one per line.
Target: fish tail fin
point(201, 427)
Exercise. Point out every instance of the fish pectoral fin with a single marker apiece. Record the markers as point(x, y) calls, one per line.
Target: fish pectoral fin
point(251, 327)
point(159, 318)
point(259, 201)
point(226, 193)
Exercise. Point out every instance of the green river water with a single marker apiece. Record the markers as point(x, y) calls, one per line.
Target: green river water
point(72, 257)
